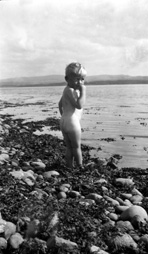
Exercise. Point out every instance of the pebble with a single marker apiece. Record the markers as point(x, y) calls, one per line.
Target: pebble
point(113, 216)
point(101, 181)
point(63, 188)
point(4, 158)
point(39, 165)
point(18, 174)
point(29, 174)
point(3, 243)
point(55, 241)
point(124, 181)
point(96, 250)
point(16, 240)
point(94, 196)
point(126, 195)
point(121, 208)
point(61, 195)
point(125, 226)
point(111, 200)
point(122, 241)
point(49, 174)
point(136, 199)
point(74, 194)
point(86, 202)
point(10, 229)
point(144, 239)
point(29, 181)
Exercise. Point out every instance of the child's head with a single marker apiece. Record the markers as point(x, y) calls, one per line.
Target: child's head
point(75, 70)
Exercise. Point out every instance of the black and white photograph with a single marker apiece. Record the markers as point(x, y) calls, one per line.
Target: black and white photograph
point(73, 126)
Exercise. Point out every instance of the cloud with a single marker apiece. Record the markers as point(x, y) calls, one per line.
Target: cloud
point(138, 53)
point(37, 35)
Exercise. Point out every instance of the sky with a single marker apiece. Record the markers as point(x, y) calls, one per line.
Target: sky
point(41, 37)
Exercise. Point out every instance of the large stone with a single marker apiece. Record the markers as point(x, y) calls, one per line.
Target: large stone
point(133, 211)
point(18, 174)
point(10, 229)
point(122, 241)
point(124, 181)
point(3, 243)
point(16, 240)
point(59, 242)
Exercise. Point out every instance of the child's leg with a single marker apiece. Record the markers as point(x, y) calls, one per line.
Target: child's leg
point(75, 139)
point(69, 151)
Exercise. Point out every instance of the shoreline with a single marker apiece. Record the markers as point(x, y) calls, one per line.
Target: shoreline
point(83, 211)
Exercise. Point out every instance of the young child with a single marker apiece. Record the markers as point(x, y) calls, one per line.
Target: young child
point(70, 107)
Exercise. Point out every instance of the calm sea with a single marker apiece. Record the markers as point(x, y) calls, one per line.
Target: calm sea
point(115, 119)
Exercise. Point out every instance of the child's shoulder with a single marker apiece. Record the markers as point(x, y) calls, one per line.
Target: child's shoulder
point(68, 89)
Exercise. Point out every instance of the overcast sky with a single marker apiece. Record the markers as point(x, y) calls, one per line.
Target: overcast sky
point(40, 37)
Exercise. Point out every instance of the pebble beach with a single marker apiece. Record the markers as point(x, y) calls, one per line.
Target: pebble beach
point(48, 208)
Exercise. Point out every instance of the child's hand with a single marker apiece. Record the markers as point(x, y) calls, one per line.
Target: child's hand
point(81, 87)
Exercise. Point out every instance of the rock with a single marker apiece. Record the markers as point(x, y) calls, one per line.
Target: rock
point(14, 163)
point(39, 165)
point(125, 226)
point(127, 202)
point(101, 181)
point(10, 229)
point(29, 174)
point(86, 202)
point(113, 216)
point(144, 239)
point(137, 222)
point(4, 158)
point(63, 188)
point(126, 195)
point(104, 189)
point(136, 192)
point(49, 174)
point(136, 199)
point(122, 241)
point(61, 194)
point(16, 240)
point(121, 208)
point(96, 250)
point(74, 194)
point(133, 211)
point(92, 234)
point(55, 241)
point(111, 200)
point(17, 174)
point(54, 221)
point(29, 181)
point(3, 243)
point(39, 193)
point(32, 228)
point(94, 196)
point(124, 181)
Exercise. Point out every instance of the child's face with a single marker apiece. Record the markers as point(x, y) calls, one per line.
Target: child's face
point(75, 81)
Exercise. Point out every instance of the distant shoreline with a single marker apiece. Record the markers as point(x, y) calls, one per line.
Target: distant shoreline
point(59, 80)
point(108, 82)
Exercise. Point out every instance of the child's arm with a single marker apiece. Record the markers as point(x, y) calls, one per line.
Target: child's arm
point(80, 101)
point(60, 106)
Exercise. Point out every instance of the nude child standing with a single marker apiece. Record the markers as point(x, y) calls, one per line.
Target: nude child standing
point(71, 106)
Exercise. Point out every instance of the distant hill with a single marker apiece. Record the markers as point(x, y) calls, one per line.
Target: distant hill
point(53, 80)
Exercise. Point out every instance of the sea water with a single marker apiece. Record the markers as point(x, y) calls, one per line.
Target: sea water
point(115, 117)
